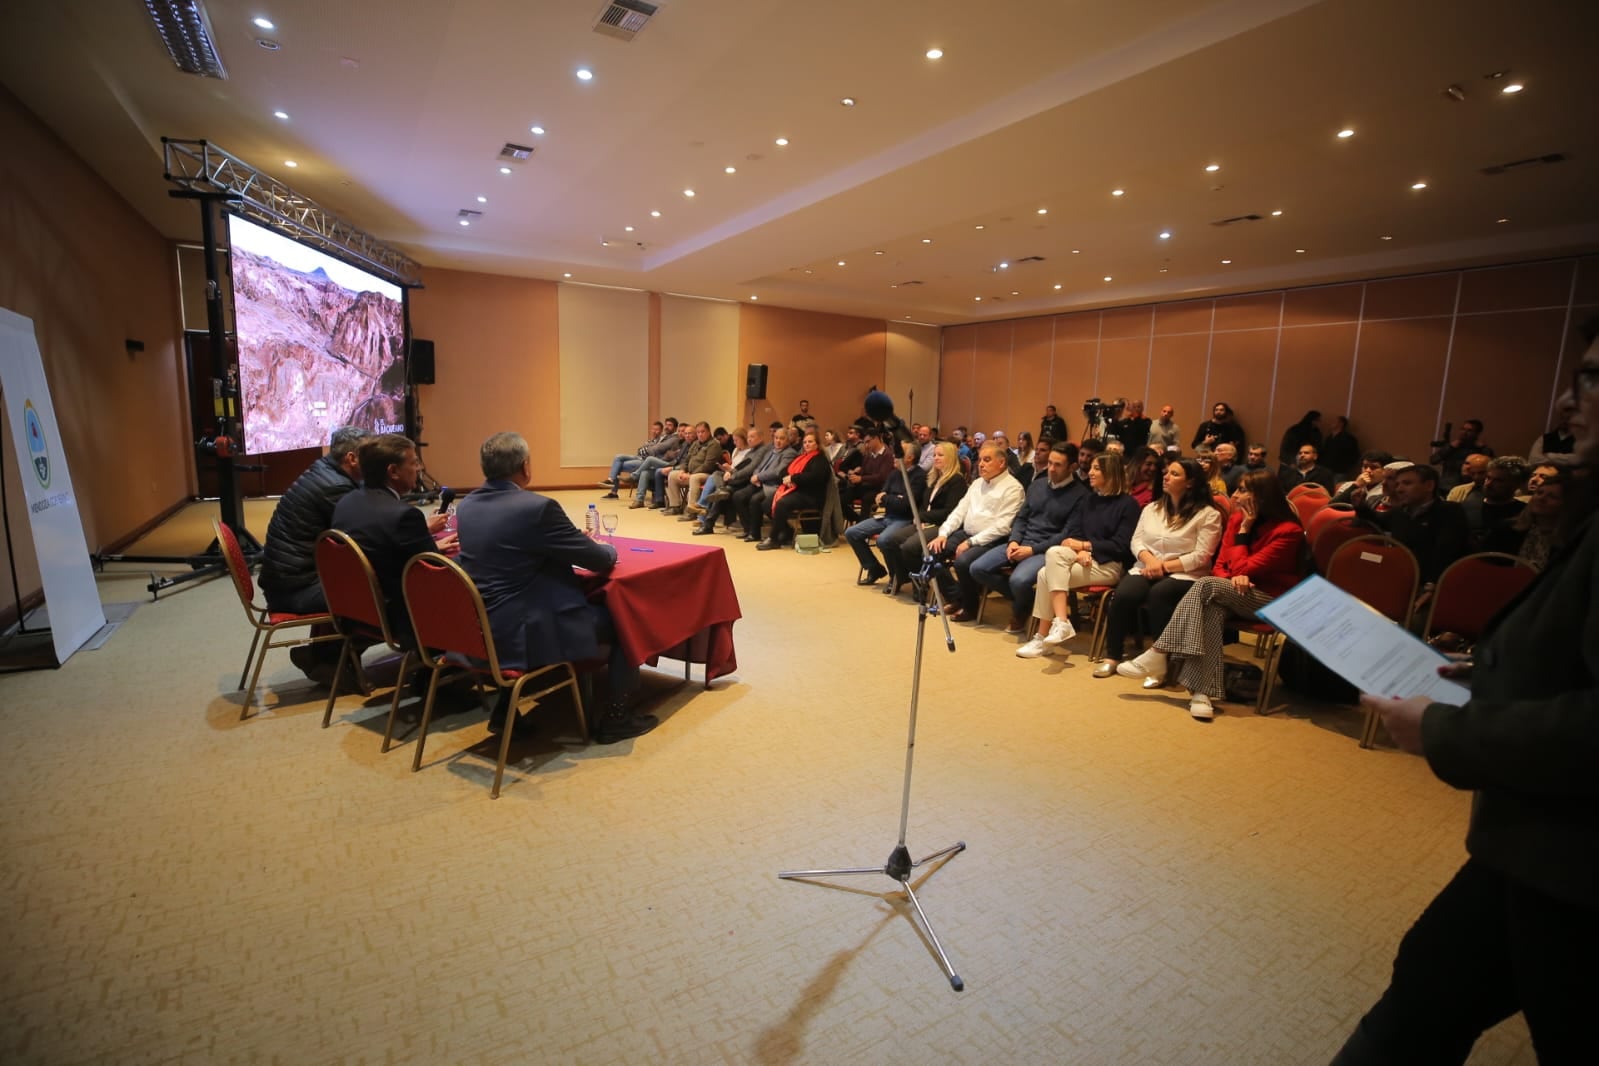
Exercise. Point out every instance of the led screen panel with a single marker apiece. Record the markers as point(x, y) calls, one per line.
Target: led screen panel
point(320, 343)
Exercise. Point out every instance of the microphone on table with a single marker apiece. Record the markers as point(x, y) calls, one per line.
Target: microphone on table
point(446, 497)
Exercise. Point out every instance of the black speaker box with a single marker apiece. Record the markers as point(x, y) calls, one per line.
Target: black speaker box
point(755, 382)
point(421, 362)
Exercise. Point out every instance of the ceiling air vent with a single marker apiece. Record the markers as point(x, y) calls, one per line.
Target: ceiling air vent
point(185, 30)
point(623, 19)
point(1521, 164)
point(519, 152)
point(469, 214)
point(903, 284)
point(1251, 217)
point(1029, 259)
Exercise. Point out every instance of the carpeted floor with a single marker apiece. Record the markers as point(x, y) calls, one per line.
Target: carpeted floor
point(181, 886)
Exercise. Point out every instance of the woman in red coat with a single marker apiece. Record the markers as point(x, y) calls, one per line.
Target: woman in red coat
point(1258, 561)
point(804, 487)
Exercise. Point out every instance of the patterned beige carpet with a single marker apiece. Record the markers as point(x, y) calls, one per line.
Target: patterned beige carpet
point(1138, 888)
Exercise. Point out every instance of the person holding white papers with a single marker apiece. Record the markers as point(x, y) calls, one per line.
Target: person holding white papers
point(1259, 559)
point(1517, 929)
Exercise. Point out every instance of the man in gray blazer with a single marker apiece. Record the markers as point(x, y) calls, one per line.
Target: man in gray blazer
point(519, 548)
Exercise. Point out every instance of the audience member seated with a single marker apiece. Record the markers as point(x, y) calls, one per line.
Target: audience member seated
point(389, 530)
point(901, 548)
point(1307, 470)
point(1041, 458)
point(1559, 444)
point(1012, 463)
point(862, 485)
point(1025, 449)
point(924, 440)
point(1258, 560)
point(1087, 452)
point(1164, 433)
point(719, 503)
point(1472, 473)
point(288, 559)
point(737, 448)
point(1533, 535)
point(1133, 428)
point(897, 514)
point(1306, 431)
point(1096, 550)
point(700, 460)
point(1052, 425)
point(1047, 507)
point(753, 502)
point(1222, 428)
point(1368, 484)
point(977, 526)
point(519, 548)
point(1211, 465)
point(661, 457)
point(849, 456)
point(1541, 472)
point(803, 488)
point(832, 445)
point(1435, 530)
point(626, 464)
point(1143, 467)
point(1340, 449)
point(1497, 505)
point(1448, 455)
point(1175, 543)
point(1229, 466)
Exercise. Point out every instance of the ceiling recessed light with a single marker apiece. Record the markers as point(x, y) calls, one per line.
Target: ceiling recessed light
point(605, 244)
point(1277, 213)
point(730, 170)
point(272, 46)
point(1386, 237)
point(754, 297)
point(1225, 262)
point(1513, 88)
point(878, 252)
point(1418, 185)
point(1109, 278)
point(1346, 133)
point(1043, 210)
point(290, 163)
point(1057, 286)
point(894, 286)
point(566, 275)
point(655, 214)
point(284, 115)
point(848, 101)
point(505, 170)
point(466, 222)
point(1299, 251)
point(841, 262)
point(932, 53)
point(264, 23)
point(782, 142)
point(1004, 266)
point(536, 130)
point(689, 193)
point(1212, 168)
point(1076, 251)
point(927, 240)
point(1118, 192)
point(979, 227)
point(1165, 235)
point(627, 229)
point(1163, 270)
point(1013, 292)
point(584, 74)
point(482, 199)
point(1501, 220)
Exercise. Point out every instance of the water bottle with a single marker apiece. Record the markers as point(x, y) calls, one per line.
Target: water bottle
point(591, 522)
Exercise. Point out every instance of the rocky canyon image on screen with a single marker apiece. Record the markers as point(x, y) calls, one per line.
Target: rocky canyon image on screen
point(314, 354)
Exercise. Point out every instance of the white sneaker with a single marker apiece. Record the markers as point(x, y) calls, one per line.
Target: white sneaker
point(1151, 663)
point(1200, 707)
point(1033, 649)
point(1060, 631)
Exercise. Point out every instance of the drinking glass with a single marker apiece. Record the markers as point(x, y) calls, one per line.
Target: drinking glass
point(608, 522)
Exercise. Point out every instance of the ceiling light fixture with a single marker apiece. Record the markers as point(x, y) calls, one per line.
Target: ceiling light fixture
point(605, 244)
point(729, 170)
point(284, 115)
point(979, 299)
point(1212, 168)
point(1013, 292)
point(537, 131)
point(1513, 88)
point(1118, 192)
point(566, 275)
point(1076, 251)
point(1299, 251)
point(1501, 220)
point(927, 240)
point(505, 170)
point(1386, 237)
point(290, 163)
point(1165, 235)
point(185, 30)
point(1418, 185)
point(264, 23)
point(466, 222)
point(1043, 210)
point(1345, 134)
point(878, 252)
point(1277, 213)
point(482, 199)
point(782, 142)
point(754, 297)
point(689, 193)
point(627, 229)
point(585, 74)
point(1004, 266)
point(1226, 262)
point(655, 214)
point(935, 53)
point(1109, 278)
point(848, 101)
point(841, 262)
point(1057, 286)
point(979, 227)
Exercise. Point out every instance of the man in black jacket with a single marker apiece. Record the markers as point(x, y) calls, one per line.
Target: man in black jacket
point(288, 563)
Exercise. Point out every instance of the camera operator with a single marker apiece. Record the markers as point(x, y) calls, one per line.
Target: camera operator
point(1131, 428)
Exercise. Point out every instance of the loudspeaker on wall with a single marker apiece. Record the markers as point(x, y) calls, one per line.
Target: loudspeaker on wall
point(421, 362)
point(755, 382)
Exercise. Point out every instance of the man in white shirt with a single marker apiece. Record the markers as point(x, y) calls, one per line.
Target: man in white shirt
point(978, 525)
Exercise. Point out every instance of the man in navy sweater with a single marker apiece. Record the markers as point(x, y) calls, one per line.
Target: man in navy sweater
point(1039, 525)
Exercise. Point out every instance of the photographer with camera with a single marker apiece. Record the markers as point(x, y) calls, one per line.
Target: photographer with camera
point(1131, 427)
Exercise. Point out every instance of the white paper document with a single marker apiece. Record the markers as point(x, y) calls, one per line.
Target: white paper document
point(1360, 644)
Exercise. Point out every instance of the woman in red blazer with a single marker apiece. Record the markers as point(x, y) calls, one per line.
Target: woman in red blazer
point(1258, 561)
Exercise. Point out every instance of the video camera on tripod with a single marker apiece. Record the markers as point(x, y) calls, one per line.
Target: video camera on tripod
point(1099, 415)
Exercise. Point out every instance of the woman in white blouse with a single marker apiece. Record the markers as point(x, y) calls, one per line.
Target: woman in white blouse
point(1175, 541)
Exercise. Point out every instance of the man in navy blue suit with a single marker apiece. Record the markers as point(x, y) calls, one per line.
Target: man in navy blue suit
point(519, 547)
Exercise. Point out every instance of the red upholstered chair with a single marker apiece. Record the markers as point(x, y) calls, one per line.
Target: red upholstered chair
point(1226, 505)
point(1474, 589)
point(1307, 500)
point(1307, 487)
point(1327, 516)
point(267, 624)
point(1331, 536)
point(356, 604)
point(452, 631)
point(1383, 574)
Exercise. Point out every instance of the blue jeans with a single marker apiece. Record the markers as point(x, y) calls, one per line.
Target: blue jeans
point(865, 530)
point(621, 463)
point(1018, 584)
point(645, 475)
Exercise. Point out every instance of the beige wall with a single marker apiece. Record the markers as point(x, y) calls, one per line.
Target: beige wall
point(910, 375)
point(605, 355)
point(830, 360)
point(92, 275)
point(1399, 356)
point(699, 356)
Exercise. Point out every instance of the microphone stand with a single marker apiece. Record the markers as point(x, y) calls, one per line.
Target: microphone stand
point(899, 865)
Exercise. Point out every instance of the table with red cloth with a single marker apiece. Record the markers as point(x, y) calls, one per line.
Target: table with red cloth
point(673, 600)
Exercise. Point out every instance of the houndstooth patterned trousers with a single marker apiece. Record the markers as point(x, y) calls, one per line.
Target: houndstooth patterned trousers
point(1195, 631)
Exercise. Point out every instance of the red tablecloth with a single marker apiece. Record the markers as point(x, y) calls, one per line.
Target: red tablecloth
point(675, 600)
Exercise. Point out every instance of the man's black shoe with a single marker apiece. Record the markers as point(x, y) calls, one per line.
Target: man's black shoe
point(871, 577)
point(700, 531)
point(620, 725)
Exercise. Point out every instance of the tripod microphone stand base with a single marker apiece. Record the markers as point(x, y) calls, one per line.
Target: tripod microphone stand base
point(899, 868)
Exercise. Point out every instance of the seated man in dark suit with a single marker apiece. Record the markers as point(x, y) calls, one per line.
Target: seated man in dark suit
point(519, 547)
point(1434, 529)
point(389, 530)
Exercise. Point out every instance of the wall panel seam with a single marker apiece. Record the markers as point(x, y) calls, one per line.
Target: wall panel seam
point(1449, 351)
